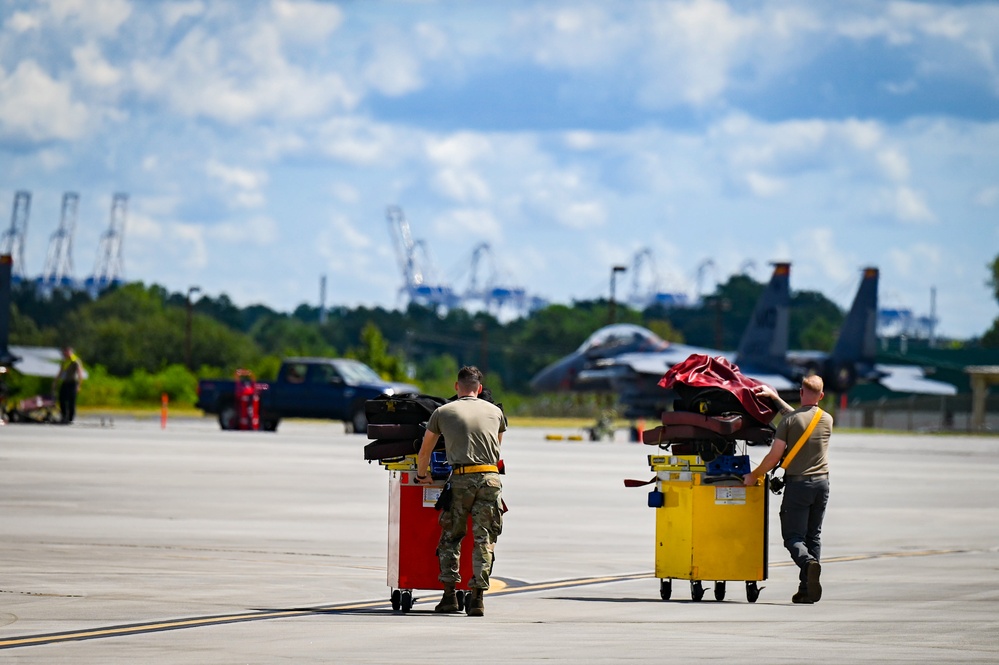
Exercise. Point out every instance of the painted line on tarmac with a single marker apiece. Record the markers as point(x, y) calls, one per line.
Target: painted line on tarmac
point(499, 588)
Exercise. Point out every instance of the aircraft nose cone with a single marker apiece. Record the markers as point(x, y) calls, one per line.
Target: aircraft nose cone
point(557, 376)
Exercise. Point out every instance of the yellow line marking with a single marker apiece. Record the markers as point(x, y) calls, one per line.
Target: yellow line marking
point(496, 587)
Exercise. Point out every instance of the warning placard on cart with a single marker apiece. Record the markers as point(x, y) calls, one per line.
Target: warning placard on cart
point(732, 496)
point(431, 494)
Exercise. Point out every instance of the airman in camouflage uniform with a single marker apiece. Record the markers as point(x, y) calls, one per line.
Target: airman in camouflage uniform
point(473, 431)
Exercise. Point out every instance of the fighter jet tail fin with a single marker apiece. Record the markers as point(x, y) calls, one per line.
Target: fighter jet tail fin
point(858, 342)
point(765, 341)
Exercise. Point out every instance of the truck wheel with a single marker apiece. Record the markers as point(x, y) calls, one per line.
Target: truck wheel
point(359, 421)
point(270, 425)
point(228, 417)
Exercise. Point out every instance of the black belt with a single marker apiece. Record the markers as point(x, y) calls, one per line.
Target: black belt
point(817, 476)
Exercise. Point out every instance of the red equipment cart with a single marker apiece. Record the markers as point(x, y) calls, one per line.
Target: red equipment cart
point(247, 401)
point(413, 534)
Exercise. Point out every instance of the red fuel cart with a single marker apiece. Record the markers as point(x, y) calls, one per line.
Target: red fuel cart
point(247, 401)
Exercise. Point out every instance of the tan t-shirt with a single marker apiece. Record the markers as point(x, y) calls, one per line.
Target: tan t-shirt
point(471, 428)
point(813, 457)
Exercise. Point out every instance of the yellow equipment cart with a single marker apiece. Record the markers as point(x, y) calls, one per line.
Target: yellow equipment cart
point(707, 528)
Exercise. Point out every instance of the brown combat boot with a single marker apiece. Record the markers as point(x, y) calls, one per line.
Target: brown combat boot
point(449, 601)
point(473, 603)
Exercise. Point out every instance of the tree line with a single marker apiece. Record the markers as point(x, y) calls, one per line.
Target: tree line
point(135, 342)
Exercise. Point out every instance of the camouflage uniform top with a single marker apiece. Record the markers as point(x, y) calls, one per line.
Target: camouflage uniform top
point(471, 428)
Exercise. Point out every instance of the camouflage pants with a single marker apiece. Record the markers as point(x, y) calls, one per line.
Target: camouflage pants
point(478, 495)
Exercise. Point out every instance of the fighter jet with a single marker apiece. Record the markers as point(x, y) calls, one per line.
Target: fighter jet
point(630, 360)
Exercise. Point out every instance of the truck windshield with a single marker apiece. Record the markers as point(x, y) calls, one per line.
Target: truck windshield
point(354, 371)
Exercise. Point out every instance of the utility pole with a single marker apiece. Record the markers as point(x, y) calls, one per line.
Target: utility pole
point(322, 299)
point(187, 332)
point(612, 309)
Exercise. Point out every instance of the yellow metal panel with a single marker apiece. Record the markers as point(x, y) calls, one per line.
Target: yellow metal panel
point(708, 532)
point(674, 531)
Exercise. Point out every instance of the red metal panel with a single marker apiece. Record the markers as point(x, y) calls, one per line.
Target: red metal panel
point(412, 539)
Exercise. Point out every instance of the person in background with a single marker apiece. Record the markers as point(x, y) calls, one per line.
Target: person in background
point(68, 382)
point(801, 446)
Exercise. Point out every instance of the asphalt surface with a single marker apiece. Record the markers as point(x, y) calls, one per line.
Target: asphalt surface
point(135, 544)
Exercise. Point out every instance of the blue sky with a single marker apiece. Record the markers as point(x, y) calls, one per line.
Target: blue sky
point(261, 142)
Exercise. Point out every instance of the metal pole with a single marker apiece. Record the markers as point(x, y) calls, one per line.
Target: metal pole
point(612, 309)
point(187, 332)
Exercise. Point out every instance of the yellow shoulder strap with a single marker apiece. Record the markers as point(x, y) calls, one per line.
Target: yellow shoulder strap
point(801, 440)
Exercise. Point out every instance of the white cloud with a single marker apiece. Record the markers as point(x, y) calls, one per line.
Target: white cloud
point(235, 176)
point(468, 222)
point(247, 182)
point(93, 68)
point(174, 12)
point(258, 231)
point(461, 185)
point(23, 22)
point(580, 140)
point(357, 141)
point(36, 107)
point(237, 77)
point(459, 149)
point(917, 260)
point(894, 164)
point(820, 248)
point(582, 214)
point(341, 228)
point(96, 18)
point(988, 196)
point(908, 205)
point(394, 70)
point(307, 21)
point(763, 185)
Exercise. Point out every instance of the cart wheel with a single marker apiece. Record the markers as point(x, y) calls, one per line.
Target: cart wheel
point(396, 599)
point(406, 601)
point(719, 591)
point(665, 589)
point(752, 592)
point(696, 590)
point(460, 595)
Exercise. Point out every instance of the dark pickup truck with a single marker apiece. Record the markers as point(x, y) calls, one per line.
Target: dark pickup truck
point(326, 388)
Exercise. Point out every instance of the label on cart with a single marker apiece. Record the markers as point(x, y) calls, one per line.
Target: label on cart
point(731, 496)
point(430, 496)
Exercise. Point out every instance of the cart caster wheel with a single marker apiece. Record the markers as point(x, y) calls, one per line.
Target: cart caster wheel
point(460, 595)
point(752, 592)
point(406, 602)
point(665, 589)
point(396, 600)
point(719, 591)
point(696, 590)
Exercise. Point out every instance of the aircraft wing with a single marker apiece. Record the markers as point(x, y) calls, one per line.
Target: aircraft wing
point(911, 379)
point(779, 382)
point(38, 361)
point(658, 363)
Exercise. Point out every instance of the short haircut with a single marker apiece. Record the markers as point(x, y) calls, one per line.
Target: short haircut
point(813, 383)
point(469, 378)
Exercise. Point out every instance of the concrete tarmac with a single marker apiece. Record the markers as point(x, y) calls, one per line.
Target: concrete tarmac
point(135, 544)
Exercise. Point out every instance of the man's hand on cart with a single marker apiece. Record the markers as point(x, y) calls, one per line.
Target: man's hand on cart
point(424, 480)
point(763, 390)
